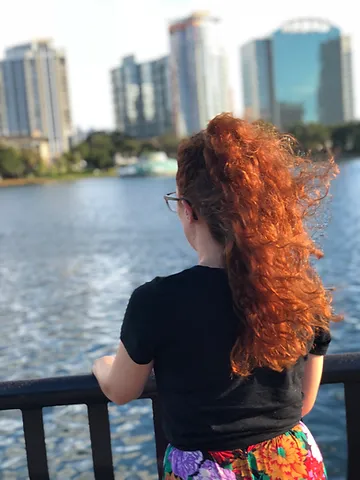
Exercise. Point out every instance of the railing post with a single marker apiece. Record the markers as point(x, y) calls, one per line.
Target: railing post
point(101, 441)
point(34, 435)
point(160, 440)
point(352, 403)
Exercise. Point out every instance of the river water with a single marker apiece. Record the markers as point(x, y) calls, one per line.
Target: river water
point(70, 256)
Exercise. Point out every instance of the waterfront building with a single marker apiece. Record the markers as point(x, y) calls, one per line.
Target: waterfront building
point(3, 117)
point(302, 73)
point(199, 72)
point(257, 80)
point(39, 145)
point(36, 94)
point(142, 98)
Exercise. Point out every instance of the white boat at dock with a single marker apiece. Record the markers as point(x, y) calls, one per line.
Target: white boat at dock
point(154, 164)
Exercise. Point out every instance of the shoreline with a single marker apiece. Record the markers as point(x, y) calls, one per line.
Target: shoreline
point(22, 182)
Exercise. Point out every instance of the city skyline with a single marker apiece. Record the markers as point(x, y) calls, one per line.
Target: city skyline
point(96, 45)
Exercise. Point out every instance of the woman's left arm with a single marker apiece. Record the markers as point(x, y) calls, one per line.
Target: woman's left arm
point(120, 378)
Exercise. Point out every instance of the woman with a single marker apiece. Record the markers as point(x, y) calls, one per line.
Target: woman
point(237, 342)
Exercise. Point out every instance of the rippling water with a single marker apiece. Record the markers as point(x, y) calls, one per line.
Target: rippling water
point(70, 256)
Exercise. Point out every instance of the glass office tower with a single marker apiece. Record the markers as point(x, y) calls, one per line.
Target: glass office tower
point(307, 75)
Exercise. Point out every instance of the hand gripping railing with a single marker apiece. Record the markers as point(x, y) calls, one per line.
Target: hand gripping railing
point(31, 396)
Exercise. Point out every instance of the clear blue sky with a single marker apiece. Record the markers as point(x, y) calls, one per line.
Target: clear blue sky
point(97, 33)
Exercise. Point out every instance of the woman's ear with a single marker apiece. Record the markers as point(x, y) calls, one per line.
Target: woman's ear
point(189, 212)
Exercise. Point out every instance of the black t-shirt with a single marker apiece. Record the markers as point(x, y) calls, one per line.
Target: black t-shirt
point(186, 324)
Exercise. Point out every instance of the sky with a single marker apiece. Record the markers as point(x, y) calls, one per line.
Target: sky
point(97, 33)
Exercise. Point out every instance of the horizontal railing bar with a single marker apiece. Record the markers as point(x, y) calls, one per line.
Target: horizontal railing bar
point(57, 391)
point(84, 389)
point(341, 368)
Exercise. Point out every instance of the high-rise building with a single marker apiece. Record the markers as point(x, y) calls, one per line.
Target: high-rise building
point(141, 97)
point(35, 89)
point(257, 80)
point(199, 72)
point(301, 74)
point(3, 117)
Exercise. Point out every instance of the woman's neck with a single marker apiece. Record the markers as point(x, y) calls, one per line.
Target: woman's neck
point(211, 264)
point(210, 252)
point(212, 256)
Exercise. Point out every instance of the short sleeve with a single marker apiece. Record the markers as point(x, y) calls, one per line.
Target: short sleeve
point(139, 331)
point(321, 342)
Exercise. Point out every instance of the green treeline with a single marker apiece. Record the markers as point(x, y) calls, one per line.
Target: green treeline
point(341, 139)
point(98, 151)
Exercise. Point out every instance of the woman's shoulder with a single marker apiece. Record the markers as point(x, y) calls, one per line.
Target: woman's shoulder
point(162, 291)
point(172, 286)
point(166, 283)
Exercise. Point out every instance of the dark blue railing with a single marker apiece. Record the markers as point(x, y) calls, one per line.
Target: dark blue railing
point(31, 396)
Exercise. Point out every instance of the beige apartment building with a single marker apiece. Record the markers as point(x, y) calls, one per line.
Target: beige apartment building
point(37, 144)
point(35, 93)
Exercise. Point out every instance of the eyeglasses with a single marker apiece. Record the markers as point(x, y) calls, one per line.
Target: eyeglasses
point(172, 202)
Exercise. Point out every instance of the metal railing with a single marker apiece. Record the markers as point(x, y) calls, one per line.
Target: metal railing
point(31, 396)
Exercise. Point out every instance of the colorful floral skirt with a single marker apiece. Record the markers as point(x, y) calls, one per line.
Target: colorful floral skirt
point(291, 456)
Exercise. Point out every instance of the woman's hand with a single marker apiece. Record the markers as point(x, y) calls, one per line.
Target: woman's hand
point(119, 377)
point(101, 369)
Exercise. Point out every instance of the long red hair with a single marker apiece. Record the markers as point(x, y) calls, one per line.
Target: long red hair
point(255, 193)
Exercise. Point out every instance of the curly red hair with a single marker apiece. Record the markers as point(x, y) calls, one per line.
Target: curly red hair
point(255, 193)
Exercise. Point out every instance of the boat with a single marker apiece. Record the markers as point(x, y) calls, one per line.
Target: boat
point(154, 164)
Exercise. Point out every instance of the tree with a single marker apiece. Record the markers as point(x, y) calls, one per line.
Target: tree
point(147, 146)
point(11, 163)
point(169, 143)
point(32, 161)
point(100, 140)
point(72, 159)
point(101, 151)
point(311, 136)
point(121, 141)
point(99, 159)
point(356, 134)
point(60, 165)
point(346, 137)
point(130, 147)
point(83, 149)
